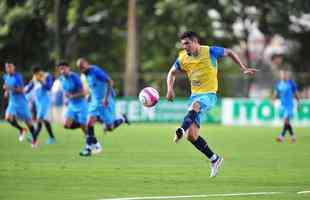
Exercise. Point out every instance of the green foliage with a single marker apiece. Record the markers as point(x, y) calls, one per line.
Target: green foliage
point(98, 30)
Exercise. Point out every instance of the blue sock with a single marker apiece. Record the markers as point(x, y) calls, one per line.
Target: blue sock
point(189, 119)
point(91, 134)
point(117, 122)
point(89, 141)
point(285, 128)
point(203, 147)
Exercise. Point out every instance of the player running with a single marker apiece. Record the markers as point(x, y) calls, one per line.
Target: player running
point(17, 108)
point(200, 65)
point(76, 113)
point(41, 85)
point(101, 106)
point(286, 90)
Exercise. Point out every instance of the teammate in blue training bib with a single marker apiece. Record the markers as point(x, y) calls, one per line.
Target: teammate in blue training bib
point(101, 105)
point(17, 108)
point(40, 86)
point(286, 91)
point(76, 113)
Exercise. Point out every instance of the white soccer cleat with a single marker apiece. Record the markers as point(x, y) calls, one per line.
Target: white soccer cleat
point(34, 144)
point(216, 166)
point(280, 138)
point(22, 135)
point(178, 135)
point(96, 149)
point(293, 139)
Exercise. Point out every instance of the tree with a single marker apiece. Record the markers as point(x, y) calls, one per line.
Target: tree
point(131, 72)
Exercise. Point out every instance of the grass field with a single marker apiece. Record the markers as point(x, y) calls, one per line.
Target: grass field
point(140, 160)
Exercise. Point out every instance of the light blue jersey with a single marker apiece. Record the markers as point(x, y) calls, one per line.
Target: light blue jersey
point(97, 81)
point(41, 95)
point(285, 91)
point(77, 107)
point(17, 105)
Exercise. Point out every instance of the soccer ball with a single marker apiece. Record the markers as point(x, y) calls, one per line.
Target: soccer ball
point(149, 97)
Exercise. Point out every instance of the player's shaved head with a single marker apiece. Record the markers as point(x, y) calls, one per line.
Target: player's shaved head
point(82, 64)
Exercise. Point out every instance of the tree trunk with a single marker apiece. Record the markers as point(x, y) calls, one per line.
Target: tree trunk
point(57, 4)
point(131, 72)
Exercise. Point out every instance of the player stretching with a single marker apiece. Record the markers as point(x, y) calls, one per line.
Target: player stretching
point(41, 84)
point(101, 107)
point(18, 106)
point(76, 113)
point(200, 64)
point(285, 90)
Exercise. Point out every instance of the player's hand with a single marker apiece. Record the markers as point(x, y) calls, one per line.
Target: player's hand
point(170, 95)
point(6, 88)
point(105, 102)
point(68, 95)
point(250, 71)
point(6, 94)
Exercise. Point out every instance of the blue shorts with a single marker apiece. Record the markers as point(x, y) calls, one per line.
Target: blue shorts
point(43, 109)
point(286, 112)
point(104, 114)
point(207, 101)
point(20, 111)
point(77, 112)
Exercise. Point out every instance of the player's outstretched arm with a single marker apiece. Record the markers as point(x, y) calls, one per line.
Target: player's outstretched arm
point(76, 95)
point(109, 92)
point(245, 69)
point(170, 83)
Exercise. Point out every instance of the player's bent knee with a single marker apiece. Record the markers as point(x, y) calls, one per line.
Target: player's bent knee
point(196, 106)
point(91, 121)
point(8, 118)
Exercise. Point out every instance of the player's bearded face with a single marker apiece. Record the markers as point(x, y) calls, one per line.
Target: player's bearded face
point(188, 45)
point(64, 70)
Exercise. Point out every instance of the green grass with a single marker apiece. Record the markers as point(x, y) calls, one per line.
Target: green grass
point(140, 160)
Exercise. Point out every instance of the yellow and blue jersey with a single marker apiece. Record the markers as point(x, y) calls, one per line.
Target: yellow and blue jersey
point(202, 69)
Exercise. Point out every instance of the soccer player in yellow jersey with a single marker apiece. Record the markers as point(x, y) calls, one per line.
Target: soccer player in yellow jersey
point(200, 65)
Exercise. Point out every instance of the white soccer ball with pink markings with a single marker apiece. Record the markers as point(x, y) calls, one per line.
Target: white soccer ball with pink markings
point(149, 97)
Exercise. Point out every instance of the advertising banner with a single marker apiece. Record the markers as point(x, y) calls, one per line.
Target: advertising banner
point(164, 111)
point(261, 112)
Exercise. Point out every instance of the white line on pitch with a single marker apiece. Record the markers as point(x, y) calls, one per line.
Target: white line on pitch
point(196, 196)
point(303, 192)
